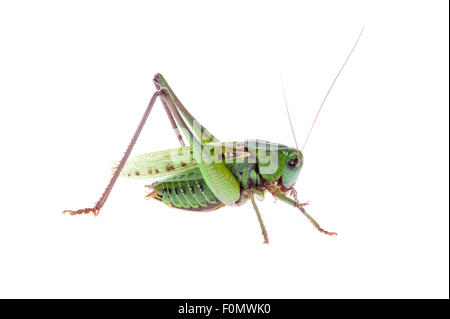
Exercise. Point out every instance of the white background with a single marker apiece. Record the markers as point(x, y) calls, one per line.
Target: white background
point(75, 78)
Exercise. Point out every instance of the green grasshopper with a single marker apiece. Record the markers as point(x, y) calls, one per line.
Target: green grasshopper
point(208, 174)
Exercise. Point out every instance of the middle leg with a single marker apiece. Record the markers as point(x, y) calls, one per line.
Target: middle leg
point(261, 222)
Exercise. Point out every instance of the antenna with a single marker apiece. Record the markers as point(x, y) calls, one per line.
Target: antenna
point(290, 122)
point(331, 86)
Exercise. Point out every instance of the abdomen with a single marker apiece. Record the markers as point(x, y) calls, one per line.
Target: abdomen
point(192, 195)
point(190, 191)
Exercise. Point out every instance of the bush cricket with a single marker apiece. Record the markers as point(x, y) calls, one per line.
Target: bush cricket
point(208, 174)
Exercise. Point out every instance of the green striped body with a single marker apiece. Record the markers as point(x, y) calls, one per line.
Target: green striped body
point(180, 183)
point(192, 192)
point(191, 195)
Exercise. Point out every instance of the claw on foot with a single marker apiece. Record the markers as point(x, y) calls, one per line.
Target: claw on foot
point(303, 204)
point(94, 211)
point(326, 232)
point(266, 238)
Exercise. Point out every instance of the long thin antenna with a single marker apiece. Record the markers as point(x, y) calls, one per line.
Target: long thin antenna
point(331, 86)
point(290, 122)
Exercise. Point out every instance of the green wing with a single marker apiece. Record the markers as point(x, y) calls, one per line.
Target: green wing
point(178, 164)
point(158, 164)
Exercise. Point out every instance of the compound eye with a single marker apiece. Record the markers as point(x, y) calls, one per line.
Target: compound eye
point(292, 164)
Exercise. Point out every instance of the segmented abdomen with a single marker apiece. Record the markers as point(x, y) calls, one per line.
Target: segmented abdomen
point(190, 194)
